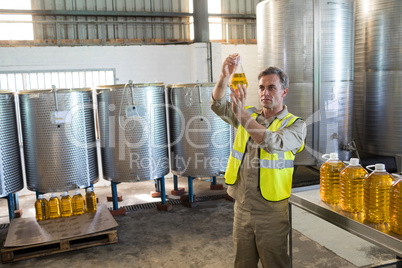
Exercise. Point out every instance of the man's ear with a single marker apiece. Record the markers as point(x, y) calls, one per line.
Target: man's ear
point(285, 92)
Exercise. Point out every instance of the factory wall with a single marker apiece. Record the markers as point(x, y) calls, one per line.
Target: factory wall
point(170, 64)
point(162, 63)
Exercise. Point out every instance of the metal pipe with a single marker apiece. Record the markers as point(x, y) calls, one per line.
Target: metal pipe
point(55, 97)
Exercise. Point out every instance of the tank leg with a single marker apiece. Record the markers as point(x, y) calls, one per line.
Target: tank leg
point(175, 184)
point(10, 200)
point(110, 198)
point(189, 200)
point(176, 190)
point(16, 201)
point(115, 198)
point(163, 205)
point(157, 185)
point(114, 195)
point(157, 192)
point(214, 185)
point(163, 192)
point(17, 211)
point(190, 189)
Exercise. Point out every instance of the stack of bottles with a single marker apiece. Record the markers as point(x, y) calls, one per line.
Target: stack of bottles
point(376, 194)
point(66, 206)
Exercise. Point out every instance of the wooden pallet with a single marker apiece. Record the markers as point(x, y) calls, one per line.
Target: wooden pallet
point(53, 247)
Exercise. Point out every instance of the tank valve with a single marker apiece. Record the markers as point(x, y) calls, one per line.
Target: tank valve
point(350, 147)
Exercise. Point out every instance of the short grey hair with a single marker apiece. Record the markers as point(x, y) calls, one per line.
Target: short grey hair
point(275, 70)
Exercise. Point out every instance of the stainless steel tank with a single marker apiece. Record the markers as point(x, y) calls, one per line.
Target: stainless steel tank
point(378, 72)
point(133, 133)
point(58, 130)
point(312, 41)
point(11, 179)
point(200, 141)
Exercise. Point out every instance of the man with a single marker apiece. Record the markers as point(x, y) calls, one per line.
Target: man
point(260, 167)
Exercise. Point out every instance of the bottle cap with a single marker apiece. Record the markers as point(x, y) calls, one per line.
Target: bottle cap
point(89, 189)
point(77, 191)
point(65, 194)
point(40, 196)
point(379, 167)
point(354, 161)
point(333, 156)
point(53, 195)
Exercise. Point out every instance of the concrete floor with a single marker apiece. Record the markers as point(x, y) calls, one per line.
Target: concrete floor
point(200, 236)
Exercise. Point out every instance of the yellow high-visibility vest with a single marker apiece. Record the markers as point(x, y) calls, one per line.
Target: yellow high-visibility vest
point(276, 170)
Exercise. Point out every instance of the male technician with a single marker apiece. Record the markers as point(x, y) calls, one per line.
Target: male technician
point(260, 167)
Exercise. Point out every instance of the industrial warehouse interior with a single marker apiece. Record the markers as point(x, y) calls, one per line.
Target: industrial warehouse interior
point(112, 155)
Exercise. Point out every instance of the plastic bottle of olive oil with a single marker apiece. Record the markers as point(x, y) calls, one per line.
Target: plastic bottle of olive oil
point(90, 200)
point(66, 204)
point(54, 207)
point(395, 208)
point(239, 77)
point(78, 203)
point(377, 187)
point(329, 179)
point(351, 182)
point(41, 208)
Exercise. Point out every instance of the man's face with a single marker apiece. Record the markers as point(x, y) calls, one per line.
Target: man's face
point(271, 92)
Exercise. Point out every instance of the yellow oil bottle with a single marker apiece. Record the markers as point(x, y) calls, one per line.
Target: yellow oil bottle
point(377, 187)
point(239, 77)
point(54, 207)
point(41, 208)
point(90, 200)
point(351, 181)
point(395, 207)
point(329, 179)
point(66, 205)
point(78, 203)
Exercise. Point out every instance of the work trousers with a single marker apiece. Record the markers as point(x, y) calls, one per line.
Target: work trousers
point(261, 234)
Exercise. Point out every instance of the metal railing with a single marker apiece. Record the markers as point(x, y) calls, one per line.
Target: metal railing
point(69, 33)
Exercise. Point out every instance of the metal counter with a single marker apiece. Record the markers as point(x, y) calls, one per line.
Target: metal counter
point(308, 198)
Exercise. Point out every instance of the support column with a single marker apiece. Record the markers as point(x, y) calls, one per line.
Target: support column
point(201, 24)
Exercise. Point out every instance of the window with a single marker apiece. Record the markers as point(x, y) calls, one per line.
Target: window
point(18, 30)
point(60, 79)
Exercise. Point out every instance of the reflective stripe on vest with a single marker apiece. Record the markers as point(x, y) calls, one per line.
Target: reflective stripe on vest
point(276, 169)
